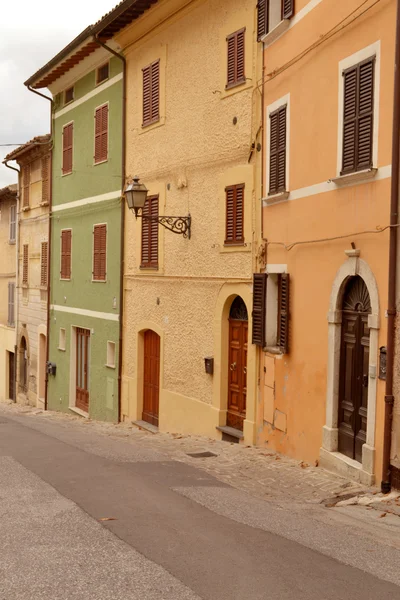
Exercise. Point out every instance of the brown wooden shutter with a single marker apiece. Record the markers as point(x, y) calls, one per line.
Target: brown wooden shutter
point(99, 252)
point(44, 265)
point(11, 304)
point(287, 9)
point(234, 233)
point(262, 18)
point(13, 223)
point(68, 138)
point(66, 247)
point(283, 313)
point(26, 180)
point(151, 93)
point(101, 134)
point(259, 308)
point(25, 262)
point(236, 58)
point(150, 233)
point(358, 107)
point(46, 179)
point(277, 151)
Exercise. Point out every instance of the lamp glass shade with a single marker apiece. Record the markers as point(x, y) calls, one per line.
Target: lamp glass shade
point(136, 194)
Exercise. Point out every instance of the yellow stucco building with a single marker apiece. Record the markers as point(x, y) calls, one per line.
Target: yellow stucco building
point(192, 136)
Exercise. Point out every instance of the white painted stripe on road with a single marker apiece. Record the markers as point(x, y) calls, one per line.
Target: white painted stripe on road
point(88, 96)
point(85, 201)
point(85, 313)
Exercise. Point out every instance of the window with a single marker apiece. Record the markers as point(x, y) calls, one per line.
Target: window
point(151, 93)
point(236, 71)
point(11, 304)
point(68, 138)
point(101, 134)
point(26, 180)
point(358, 116)
point(61, 339)
point(44, 264)
point(69, 95)
point(99, 252)
point(277, 151)
point(45, 175)
point(103, 73)
point(270, 13)
point(150, 233)
point(234, 214)
point(13, 223)
point(66, 250)
point(277, 316)
point(25, 262)
point(111, 354)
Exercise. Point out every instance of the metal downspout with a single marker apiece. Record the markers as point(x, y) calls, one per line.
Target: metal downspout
point(122, 248)
point(391, 311)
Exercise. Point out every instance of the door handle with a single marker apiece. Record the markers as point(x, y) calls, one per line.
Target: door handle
point(245, 370)
point(365, 381)
point(233, 366)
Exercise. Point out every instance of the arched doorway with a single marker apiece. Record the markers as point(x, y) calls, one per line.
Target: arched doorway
point(237, 364)
point(151, 377)
point(354, 369)
point(23, 365)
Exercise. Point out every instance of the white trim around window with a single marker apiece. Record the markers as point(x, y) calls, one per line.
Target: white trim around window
point(284, 101)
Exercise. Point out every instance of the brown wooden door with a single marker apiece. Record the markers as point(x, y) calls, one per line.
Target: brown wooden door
point(11, 376)
point(151, 384)
point(237, 373)
point(82, 368)
point(354, 368)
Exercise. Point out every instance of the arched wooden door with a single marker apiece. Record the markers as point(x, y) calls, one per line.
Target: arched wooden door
point(151, 383)
point(23, 365)
point(354, 369)
point(237, 365)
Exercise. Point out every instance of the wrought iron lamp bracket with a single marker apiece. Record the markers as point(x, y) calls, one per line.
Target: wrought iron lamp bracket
point(179, 225)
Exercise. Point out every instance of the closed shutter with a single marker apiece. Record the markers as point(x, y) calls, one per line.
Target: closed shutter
point(68, 139)
point(99, 252)
point(262, 18)
point(234, 233)
point(287, 9)
point(13, 222)
point(101, 134)
point(25, 262)
point(11, 304)
point(150, 233)
point(46, 179)
point(283, 313)
point(277, 152)
point(26, 180)
point(358, 108)
point(66, 247)
point(151, 93)
point(44, 265)
point(259, 308)
point(236, 58)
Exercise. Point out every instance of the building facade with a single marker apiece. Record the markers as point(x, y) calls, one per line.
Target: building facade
point(8, 262)
point(193, 134)
point(86, 229)
point(328, 102)
point(34, 159)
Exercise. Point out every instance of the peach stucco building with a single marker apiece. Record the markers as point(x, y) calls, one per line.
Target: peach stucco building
point(328, 97)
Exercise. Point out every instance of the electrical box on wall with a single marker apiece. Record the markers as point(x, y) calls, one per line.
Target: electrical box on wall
point(209, 365)
point(51, 368)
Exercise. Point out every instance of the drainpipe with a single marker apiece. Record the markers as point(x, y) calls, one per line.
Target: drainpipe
point(16, 304)
point(49, 240)
point(391, 311)
point(122, 248)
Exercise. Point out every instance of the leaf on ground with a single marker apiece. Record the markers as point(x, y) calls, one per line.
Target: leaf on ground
point(382, 515)
point(108, 519)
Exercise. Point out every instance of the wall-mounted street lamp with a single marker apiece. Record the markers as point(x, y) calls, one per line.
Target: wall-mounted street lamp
point(136, 194)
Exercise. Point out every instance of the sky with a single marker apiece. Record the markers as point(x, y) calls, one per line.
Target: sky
point(31, 33)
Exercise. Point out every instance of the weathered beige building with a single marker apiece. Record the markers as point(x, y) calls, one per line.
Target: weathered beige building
point(34, 159)
point(193, 127)
point(8, 235)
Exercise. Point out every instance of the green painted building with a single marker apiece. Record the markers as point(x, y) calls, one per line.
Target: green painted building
point(85, 262)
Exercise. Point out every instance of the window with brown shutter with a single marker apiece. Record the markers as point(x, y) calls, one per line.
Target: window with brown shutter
point(44, 264)
point(99, 252)
point(25, 262)
point(358, 113)
point(101, 134)
point(26, 181)
point(13, 223)
point(277, 151)
point(270, 13)
point(236, 65)
point(150, 233)
point(234, 232)
point(68, 139)
point(103, 73)
point(283, 313)
point(46, 179)
point(259, 308)
point(66, 250)
point(69, 95)
point(11, 304)
point(287, 9)
point(151, 93)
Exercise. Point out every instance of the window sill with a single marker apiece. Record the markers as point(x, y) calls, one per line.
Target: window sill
point(98, 83)
point(66, 174)
point(234, 244)
point(99, 280)
point(357, 177)
point(64, 279)
point(26, 208)
point(100, 162)
point(231, 86)
point(25, 286)
point(61, 349)
point(275, 198)
point(44, 204)
point(144, 268)
point(110, 366)
point(270, 37)
point(273, 350)
point(11, 242)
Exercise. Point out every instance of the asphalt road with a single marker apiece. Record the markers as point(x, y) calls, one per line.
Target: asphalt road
point(76, 524)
